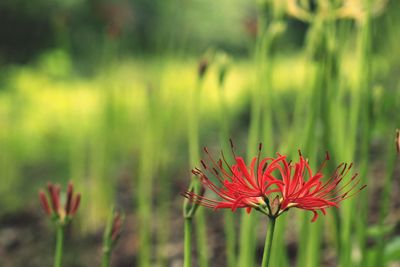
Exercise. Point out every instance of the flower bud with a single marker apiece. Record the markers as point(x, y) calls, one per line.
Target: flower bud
point(61, 214)
point(113, 229)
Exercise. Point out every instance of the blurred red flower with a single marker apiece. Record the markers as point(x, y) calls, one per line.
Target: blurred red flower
point(56, 211)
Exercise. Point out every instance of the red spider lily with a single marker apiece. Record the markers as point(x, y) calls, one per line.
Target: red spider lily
point(312, 193)
point(250, 187)
point(240, 186)
point(57, 211)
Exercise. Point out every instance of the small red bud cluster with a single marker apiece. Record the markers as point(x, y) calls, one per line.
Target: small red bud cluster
point(57, 211)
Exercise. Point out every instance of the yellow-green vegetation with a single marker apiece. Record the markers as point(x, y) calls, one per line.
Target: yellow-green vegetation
point(128, 130)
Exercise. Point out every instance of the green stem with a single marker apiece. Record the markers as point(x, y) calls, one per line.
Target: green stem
point(188, 243)
point(194, 155)
point(247, 229)
point(268, 242)
point(59, 246)
point(229, 228)
point(385, 203)
point(107, 241)
point(105, 262)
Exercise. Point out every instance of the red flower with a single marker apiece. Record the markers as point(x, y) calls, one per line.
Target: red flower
point(312, 193)
point(57, 211)
point(273, 185)
point(240, 186)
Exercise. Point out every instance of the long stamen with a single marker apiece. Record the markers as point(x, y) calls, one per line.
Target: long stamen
point(353, 178)
point(323, 164)
point(355, 193)
point(227, 165)
point(258, 163)
point(211, 159)
point(334, 176)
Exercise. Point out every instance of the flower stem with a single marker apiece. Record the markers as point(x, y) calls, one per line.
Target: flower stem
point(188, 243)
point(106, 257)
point(59, 246)
point(268, 242)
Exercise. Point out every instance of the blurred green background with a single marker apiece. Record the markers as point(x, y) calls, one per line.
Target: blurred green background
point(99, 92)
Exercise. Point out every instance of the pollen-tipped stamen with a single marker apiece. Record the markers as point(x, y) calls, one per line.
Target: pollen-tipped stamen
point(355, 193)
point(323, 164)
point(353, 178)
point(258, 162)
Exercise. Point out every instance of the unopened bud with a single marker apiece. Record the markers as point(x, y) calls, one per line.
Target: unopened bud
point(112, 231)
point(59, 213)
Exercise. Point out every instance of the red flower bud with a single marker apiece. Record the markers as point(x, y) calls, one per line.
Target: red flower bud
point(62, 214)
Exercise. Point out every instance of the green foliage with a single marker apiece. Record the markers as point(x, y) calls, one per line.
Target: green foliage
point(123, 130)
point(392, 250)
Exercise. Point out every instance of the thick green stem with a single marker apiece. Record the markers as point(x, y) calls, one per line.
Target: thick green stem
point(59, 246)
point(188, 243)
point(268, 242)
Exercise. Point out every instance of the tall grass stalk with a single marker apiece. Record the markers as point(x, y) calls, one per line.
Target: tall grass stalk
point(322, 51)
point(147, 167)
point(361, 117)
point(364, 83)
point(163, 211)
point(194, 156)
point(229, 223)
point(385, 201)
point(261, 117)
